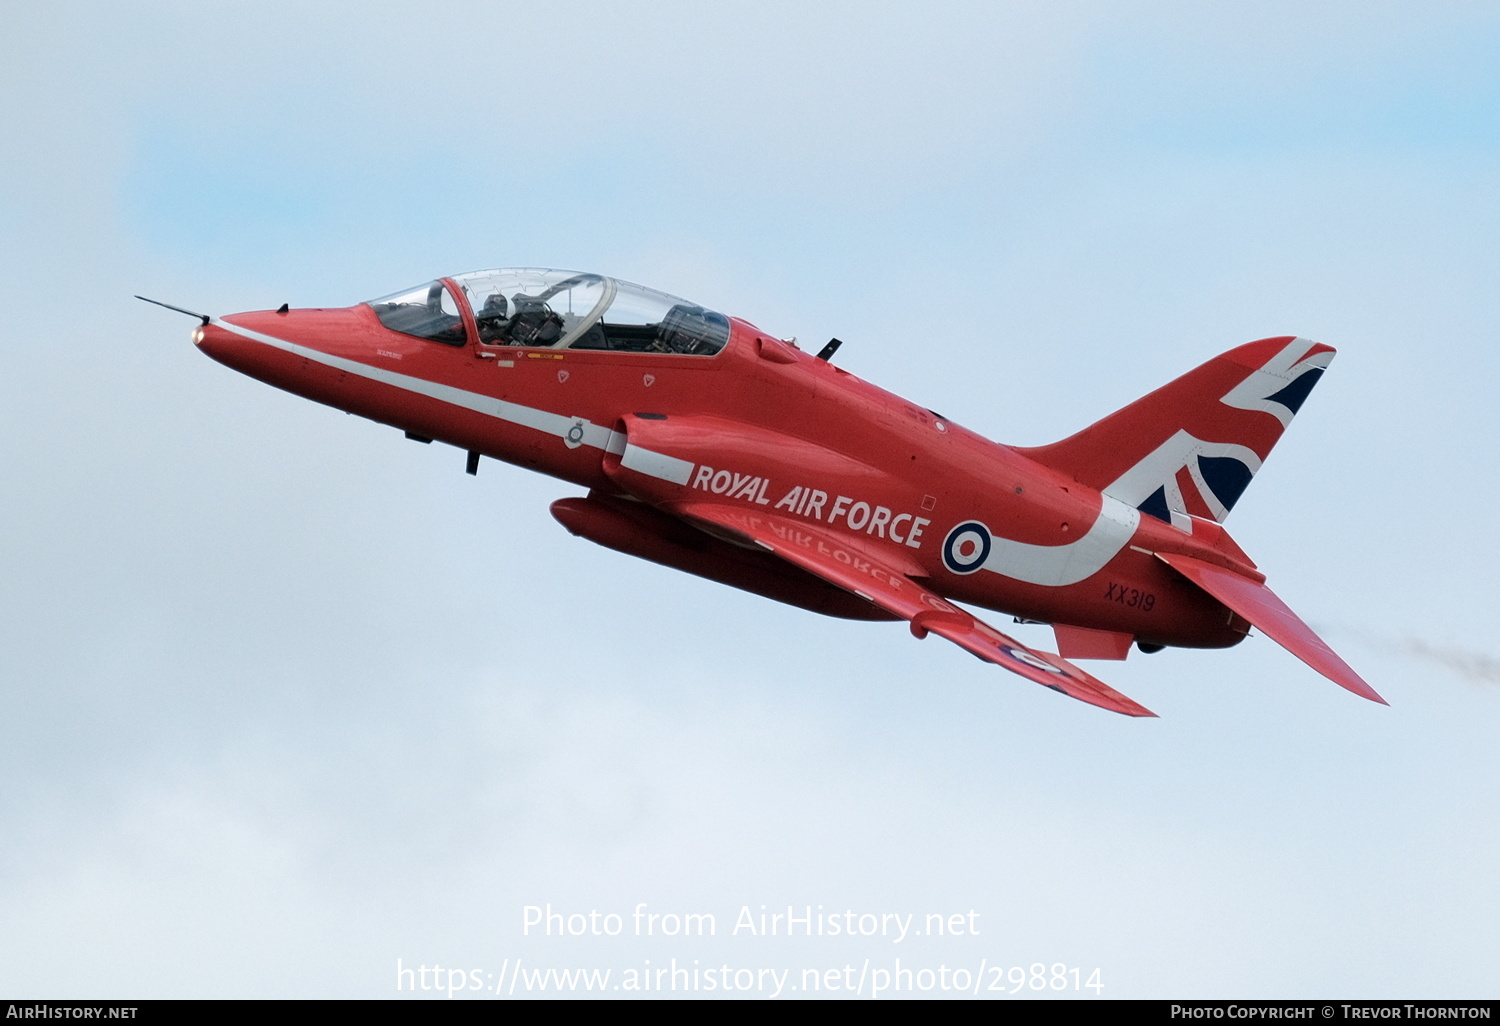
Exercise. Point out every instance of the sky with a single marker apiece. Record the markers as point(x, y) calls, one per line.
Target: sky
point(292, 705)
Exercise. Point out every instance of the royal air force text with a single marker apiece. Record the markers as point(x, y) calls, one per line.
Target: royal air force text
point(813, 503)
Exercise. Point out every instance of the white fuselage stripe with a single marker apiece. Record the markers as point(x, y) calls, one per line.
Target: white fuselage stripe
point(657, 465)
point(1058, 566)
point(555, 424)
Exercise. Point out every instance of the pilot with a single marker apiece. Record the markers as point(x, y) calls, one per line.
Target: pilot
point(680, 330)
point(493, 320)
point(534, 323)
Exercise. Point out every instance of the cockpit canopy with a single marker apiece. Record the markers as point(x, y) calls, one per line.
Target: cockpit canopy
point(541, 308)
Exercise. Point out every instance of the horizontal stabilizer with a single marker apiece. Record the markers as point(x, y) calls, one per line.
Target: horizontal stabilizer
point(878, 582)
point(1259, 604)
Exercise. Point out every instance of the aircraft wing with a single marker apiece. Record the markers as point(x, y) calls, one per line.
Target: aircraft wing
point(874, 578)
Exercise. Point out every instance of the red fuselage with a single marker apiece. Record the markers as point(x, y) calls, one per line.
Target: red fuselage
point(767, 426)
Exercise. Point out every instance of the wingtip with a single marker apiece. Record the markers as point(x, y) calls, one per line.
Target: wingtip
point(1076, 682)
point(1138, 710)
point(1092, 691)
point(1345, 677)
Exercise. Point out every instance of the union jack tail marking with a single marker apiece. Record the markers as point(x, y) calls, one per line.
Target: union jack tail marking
point(1191, 448)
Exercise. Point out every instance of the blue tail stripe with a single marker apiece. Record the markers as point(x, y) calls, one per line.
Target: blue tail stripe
point(1295, 394)
point(1156, 505)
point(1226, 477)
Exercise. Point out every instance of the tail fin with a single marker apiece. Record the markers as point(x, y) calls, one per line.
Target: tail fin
point(1191, 447)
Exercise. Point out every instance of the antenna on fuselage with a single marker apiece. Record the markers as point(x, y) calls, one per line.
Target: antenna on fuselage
point(202, 317)
point(826, 353)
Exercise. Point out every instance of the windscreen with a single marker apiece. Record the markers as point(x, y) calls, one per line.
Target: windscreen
point(428, 311)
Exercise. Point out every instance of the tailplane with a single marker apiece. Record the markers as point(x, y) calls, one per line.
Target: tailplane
point(1191, 448)
point(1259, 604)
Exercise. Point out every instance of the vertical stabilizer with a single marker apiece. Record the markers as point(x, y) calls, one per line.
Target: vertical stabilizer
point(1191, 447)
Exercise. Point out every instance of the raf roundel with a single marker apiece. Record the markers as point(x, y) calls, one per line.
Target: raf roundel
point(966, 547)
point(1020, 655)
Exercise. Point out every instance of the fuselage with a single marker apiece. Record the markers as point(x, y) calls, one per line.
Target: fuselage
point(762, 424)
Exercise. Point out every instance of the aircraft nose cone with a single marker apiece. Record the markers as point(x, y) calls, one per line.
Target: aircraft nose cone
point(291, 351)
point(217, 343)
point(230, 343)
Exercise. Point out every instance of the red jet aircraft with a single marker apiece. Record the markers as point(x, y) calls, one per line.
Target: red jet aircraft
point(709, 446)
